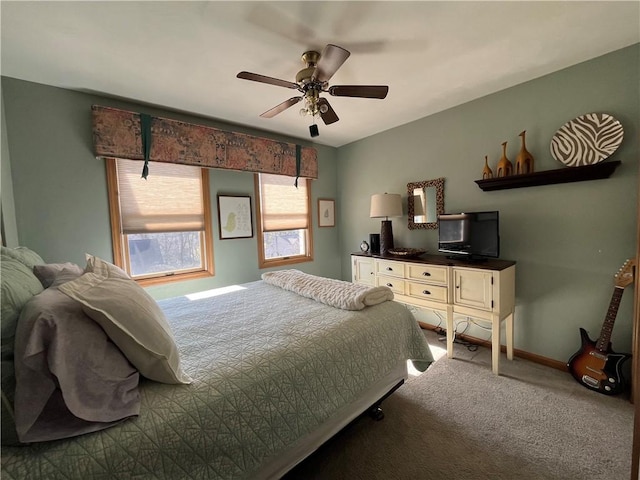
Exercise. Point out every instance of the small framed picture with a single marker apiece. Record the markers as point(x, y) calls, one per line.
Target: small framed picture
point(326, 212)
point(234, 216)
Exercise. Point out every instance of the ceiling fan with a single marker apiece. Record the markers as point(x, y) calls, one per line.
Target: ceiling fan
point(314, 79)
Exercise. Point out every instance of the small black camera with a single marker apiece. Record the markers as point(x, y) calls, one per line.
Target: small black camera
point(313, 130)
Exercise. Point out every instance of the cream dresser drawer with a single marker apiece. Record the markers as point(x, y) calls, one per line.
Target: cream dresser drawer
point(424, 291)
point(390, 268)
point(428, 273)
point(457, 287)
point(396, 284)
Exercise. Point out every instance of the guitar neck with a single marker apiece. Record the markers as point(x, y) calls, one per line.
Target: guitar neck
point(607, 327)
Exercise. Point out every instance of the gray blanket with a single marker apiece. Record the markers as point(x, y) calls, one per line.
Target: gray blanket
point(70, 378)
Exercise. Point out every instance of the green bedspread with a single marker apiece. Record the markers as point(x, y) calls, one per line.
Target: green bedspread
point(269, 366)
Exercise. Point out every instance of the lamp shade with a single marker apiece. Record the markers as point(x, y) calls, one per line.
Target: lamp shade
point(386, 205)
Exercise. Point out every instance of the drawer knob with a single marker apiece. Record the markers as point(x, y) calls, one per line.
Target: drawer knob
point(426, 292)
point(389, 269)
point(389, 284)
point(426, 274)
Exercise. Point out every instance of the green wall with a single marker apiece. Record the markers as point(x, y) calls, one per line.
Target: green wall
point(568, 240)
point(60, 189)
point(10, 228)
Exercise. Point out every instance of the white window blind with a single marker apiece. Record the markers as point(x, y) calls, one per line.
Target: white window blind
point(169, 200)
point(283, 206)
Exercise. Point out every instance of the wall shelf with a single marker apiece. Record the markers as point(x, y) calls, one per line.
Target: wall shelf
point(548, 177)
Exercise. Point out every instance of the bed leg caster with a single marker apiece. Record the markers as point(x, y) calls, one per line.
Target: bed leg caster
point(376, 413)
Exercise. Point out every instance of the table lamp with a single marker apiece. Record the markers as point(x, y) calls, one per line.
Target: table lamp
point(386, 205)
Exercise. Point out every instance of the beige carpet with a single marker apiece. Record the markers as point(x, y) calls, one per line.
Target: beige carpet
point(459, 421)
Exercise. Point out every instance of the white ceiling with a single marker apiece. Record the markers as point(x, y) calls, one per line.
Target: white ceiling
point(185, 55)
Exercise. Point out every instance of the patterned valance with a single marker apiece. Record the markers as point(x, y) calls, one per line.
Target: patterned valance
point(118, 133)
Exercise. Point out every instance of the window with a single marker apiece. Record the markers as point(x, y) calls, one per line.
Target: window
point(161, 226)
point(284, 220)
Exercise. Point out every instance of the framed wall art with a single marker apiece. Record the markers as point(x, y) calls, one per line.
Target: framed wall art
point(234, 216)
point(326, 212)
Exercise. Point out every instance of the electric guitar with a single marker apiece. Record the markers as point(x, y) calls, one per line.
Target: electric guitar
point(596, 365)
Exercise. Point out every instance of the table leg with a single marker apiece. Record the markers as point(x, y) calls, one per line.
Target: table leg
point(495, 343)
point(510, 336)
point(450, 332)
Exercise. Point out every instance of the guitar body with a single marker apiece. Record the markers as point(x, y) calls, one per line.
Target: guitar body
point(595, 365)
point(596, 369)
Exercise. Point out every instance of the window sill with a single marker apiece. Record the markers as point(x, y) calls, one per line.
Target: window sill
point(148, 282)
point(279, 262)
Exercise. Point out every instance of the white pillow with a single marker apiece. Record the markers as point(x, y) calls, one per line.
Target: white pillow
point(103, 268)
point(133, 321)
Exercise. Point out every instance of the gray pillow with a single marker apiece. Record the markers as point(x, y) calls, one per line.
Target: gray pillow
point(70, 378)
point(49, 273)
point(133, 320)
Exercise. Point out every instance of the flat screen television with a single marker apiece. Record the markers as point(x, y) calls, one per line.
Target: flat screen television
point(474, 235)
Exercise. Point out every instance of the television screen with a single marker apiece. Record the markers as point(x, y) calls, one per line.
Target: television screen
point(472, 234)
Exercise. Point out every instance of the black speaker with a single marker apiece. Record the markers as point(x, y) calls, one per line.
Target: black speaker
point(374, 243)
point(313, 130)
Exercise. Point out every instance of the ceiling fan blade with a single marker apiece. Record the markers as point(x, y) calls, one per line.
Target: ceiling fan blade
point(279, 108)
point(329, 116)
point(264, 79)
point(331, 60)
point(363, 91)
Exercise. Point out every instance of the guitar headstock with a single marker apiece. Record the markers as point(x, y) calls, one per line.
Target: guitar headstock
point(624, 276)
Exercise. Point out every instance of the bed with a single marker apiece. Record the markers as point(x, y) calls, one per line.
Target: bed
point(274, 375)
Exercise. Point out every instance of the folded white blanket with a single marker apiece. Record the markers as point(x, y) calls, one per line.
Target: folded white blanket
point(337, 293)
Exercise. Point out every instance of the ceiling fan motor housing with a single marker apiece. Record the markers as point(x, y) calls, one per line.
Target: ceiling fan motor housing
point(310, 58)
point(305, 75)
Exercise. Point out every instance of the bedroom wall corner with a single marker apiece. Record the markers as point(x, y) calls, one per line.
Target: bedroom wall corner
point(7, 206)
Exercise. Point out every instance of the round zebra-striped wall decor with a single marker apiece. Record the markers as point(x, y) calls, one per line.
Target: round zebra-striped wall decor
point(587, 139)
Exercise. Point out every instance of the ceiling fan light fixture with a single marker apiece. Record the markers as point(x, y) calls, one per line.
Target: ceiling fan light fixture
point(311, 105)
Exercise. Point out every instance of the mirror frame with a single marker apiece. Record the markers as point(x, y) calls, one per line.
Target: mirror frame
point(411, 186)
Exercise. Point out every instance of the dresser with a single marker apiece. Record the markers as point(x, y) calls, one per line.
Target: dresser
point(483, 290)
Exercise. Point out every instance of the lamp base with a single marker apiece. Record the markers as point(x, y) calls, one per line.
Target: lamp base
point(386, 237)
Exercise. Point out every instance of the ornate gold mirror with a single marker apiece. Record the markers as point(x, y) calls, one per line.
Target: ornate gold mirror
point(425, 201)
